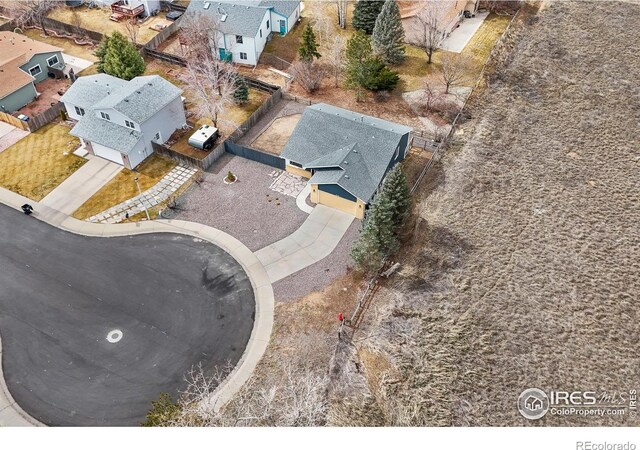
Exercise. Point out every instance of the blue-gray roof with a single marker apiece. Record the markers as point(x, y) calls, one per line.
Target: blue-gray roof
point(283, 7)
point(344, 148)
point(240, 18)
point(141, 97)
point(138, 99)
point(106, 133)
point(87, 91)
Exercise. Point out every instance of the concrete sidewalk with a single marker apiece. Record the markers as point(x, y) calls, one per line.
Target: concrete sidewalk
point(81, 185)
point(313, 241)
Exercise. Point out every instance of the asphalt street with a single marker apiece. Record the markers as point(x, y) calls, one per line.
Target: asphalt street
point(176, 300)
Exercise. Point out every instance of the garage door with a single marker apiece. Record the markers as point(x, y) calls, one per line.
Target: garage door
point(107, 153)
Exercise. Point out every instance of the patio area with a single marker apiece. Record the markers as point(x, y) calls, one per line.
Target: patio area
point(49, 95)
point(251, 209)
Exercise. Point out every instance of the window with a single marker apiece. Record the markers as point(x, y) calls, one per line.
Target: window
point(104, 115)
point(238, 39)
point(267, 24)
point(35, 70)
point(295, 164)
point(260, 33)
point(243, 55)
point(157, 136)
point(129, 124)
point(52, 61)
point(79, 111)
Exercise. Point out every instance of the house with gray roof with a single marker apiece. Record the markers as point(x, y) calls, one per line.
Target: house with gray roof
point(244, 27)
point(119, 120)
point(345, 155)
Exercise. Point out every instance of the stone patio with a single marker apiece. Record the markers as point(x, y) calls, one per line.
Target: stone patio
point(288, 184)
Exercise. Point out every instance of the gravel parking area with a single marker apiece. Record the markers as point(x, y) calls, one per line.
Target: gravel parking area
point(247, 209)
point(321, 274)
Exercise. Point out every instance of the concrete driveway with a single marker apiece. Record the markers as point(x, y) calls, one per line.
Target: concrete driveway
point(460, 37)
point(81, 185)
point(175, 300)
point(313, 241)
point(9, 135)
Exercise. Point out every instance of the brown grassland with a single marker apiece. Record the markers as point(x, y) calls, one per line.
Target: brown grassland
point(523, 268)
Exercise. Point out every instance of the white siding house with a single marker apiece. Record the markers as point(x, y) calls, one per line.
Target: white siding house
point(118, 120)
point(246, 26)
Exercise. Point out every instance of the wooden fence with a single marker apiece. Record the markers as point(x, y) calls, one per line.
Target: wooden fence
point(274, 61)
point(163, 35)
point(256, 116)
point(202, 164)
point(45, 117)
point(14, 121)
point(69, 29)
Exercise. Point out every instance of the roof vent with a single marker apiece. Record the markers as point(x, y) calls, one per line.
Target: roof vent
point(138, 92)
point(346, 176)
point(355, 151)
point(223, 18)
point(206, 5)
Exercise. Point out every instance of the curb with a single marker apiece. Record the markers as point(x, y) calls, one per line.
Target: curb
point(262, 289)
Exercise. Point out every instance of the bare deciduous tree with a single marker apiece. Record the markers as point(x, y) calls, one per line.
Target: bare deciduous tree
point(335, 57)
point(201, 36)
point(342, 5)
point(455, 70)
point(31, 12)
point(431, 96)
point(308, 75)
point(429, 27)
point(213, 84)
point(133, 29)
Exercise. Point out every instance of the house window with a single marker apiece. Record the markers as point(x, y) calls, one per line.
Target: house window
point(104, 115)
point(243, 55)
point(129, 124)
point(35, 70)
point(267, 24)
point(260, 33)
point(52, 61)
point(79, 111)
point(238, 39)
point(397, 152)
point(157, 136)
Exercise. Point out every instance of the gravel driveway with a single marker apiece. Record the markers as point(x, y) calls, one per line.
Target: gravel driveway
point(247, 209)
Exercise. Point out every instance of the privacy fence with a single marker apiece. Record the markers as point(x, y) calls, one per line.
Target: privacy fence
point(45, 117)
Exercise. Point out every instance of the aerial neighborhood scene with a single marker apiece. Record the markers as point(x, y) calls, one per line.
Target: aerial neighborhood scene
point(344, 213)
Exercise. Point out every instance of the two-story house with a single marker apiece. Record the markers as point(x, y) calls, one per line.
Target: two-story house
point(244, 27)
point(118, 120)
point(24, 63)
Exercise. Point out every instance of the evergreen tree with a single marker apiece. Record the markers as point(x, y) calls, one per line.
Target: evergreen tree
point(308, 46)
point(365, 15)
point(378, 77)
point(358, 53)
point(101, 50)
point(388, 34)
point(386, 215)
point(119, 57)
point(241, 93)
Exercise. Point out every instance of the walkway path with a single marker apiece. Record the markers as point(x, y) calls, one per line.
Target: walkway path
point(81, 185)
point(9, 135)
point(460, 37)
point(12, 414)
point(166, 187)
point(313, 241)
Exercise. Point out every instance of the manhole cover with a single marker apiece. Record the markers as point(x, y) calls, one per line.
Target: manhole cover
point(114, 336)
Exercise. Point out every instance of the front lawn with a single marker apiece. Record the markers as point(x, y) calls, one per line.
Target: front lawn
point(37, 164)
point(123, 187)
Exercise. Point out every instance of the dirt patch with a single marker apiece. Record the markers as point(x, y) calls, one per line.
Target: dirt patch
point(50, 90)
point(274, 138)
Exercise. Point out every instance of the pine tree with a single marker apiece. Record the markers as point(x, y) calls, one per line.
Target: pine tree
point(357, 55)
point(241, 93)
point(365, 15)
point(162, 412)
point(388, 34)
point(120, 58)
point(308, 46)
point(385, 217)
point(101, 50)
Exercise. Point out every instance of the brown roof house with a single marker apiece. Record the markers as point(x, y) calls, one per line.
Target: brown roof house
point(448, 14)
point(24, 63)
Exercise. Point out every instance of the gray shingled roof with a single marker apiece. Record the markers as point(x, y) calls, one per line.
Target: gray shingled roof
point(106, 133)
point(284, 7)
point(242, 18)
point(354, 150)
point(87, 91)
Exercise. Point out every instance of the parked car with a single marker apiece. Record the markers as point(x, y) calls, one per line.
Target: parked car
point(174, 15)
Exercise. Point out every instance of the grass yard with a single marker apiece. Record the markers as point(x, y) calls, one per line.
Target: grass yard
point(97, 19)
point(286, 47)
point(67, 45)
point(123, 186)
point(37, 164)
